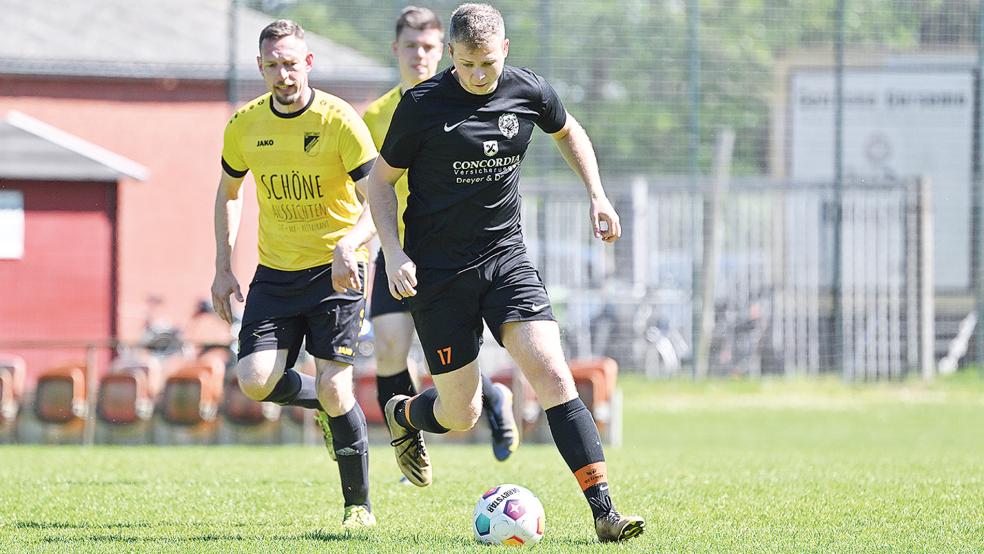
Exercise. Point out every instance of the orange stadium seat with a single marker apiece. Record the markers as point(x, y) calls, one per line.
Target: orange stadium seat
point(12, 372)
point(192, 393)
point(595, 380)
point(60, 394)
point(145, 364)
point(124, 398)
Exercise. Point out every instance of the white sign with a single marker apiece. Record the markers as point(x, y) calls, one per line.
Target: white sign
point(898, 124)
point(11, 224)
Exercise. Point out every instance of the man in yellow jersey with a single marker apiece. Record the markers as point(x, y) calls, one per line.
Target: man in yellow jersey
point(308, 152)
point(418, 48)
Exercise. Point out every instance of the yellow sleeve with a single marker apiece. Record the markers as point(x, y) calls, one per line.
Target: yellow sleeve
point(355, 144)
point(232, 156)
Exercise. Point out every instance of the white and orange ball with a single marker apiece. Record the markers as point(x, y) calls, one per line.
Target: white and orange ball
point(509, 515)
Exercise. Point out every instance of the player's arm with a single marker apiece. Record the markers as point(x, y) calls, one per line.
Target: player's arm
point(360, 233)
point(356, 152)
point(228, 213)
point(400, 270)
point(575, 146)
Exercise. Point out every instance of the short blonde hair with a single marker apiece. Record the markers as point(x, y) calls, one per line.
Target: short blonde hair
point(476, 24)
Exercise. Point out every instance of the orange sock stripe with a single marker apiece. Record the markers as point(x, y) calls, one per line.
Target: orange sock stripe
point(406, 413)
point(592, 474)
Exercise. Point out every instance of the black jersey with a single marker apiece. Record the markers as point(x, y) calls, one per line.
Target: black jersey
point(463, 152)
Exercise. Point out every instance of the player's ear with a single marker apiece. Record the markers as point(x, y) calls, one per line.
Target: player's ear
point(309, 61)
point(259, 64)
point(450, 50)
point(393, 47)
point(505, 47)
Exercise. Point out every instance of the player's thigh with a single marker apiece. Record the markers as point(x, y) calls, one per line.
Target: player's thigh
point(273, 315)
point(516, 293)
point(335, 386)
point(393, 334)
point(266, 348)
point(333, 327)
point(536, 348)
point(448, 322)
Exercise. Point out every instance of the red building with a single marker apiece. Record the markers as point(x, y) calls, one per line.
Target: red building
point(124, 212)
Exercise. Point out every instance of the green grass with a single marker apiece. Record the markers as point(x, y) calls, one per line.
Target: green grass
point(722, 467)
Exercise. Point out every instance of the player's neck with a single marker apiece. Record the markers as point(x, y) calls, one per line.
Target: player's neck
point(301, 103)
point(406, 85)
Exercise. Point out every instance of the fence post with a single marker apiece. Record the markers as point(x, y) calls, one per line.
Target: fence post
point(927, 302)
point(89, 423)
point(640, 235)
point(713, 226)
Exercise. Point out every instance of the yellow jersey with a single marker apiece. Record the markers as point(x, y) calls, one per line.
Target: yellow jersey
point(305, 165)
point(377, 118)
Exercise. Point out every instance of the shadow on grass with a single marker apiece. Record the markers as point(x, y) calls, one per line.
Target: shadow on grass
point(63, 525)
point(321, 536)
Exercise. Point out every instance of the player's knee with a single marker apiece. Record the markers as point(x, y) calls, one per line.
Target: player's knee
point(254, 381)
point(389, 361)
point(335, 396)
point(463, 418)
point(553, 384)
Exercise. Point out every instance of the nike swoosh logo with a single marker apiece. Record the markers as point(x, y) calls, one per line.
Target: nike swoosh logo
point(538, 307)
point(449, 128)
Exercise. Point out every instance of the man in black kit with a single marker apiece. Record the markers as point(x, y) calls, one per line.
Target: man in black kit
point(462, 136)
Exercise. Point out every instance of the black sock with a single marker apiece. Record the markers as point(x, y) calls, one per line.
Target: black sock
point(351, 444)
point(490, 394)
point(491, 398)
point(289, 392)
point(418, 413)
point(576, 436)
point(388, 387)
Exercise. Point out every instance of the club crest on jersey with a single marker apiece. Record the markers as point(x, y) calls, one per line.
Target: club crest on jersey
point(491, 147)
point(310, 139)
point(508, 125)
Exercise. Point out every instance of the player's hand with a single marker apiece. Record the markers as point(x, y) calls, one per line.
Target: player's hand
point(345, 268)
point(604, 220)
point(225, 285)
point(402, 274)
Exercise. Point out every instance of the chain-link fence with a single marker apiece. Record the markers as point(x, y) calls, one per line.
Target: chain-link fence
point(827, 259)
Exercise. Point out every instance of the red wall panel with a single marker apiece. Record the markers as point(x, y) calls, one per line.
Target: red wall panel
point(62, 288)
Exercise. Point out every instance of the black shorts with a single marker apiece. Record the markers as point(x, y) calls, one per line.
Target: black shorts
point(285, 308)
point(449, 306)
point(381, 301)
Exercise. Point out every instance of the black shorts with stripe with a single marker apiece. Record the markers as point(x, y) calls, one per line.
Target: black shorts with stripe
point(381, 301)
point(449, 306)
point(285, 308)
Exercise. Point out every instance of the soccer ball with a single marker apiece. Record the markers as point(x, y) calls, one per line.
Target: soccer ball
point(510, 515)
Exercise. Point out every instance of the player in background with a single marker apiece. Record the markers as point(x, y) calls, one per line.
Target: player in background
point(308, 152)
point(462, 136)
point(418, 47)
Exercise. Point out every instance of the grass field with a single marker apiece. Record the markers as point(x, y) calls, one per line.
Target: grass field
point(720, 467)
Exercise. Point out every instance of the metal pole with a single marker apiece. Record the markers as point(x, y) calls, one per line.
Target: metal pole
point(547, 162)
point(89, 423)
point(837, 315)
point(693, 90)
point(232, 92)
point(978, 279)
point(927, 305)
